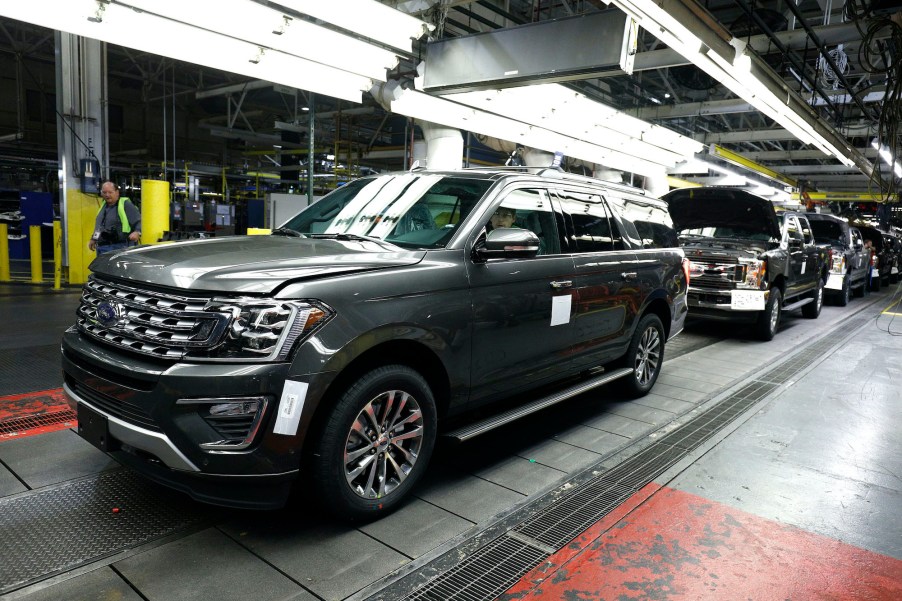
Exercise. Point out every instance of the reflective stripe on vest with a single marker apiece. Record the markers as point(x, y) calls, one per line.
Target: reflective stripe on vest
point(123, 218)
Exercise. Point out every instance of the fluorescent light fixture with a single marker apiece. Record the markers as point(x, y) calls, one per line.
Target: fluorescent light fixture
point(114, 23)
point(440, 110)
point(736, 74)
point(560, 109)
point(887, 156)
point(368, 18)
point(261, 25)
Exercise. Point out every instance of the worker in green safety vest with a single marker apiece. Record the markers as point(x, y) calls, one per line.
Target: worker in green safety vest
point(118, 221)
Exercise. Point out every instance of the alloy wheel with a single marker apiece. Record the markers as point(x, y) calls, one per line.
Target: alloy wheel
point(648, 355)
point(383, 444)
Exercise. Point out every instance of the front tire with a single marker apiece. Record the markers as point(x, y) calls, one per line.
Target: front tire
point(375, 443)
point(813, 309)
point(769, 319)
point(845, 295)
point(645, 355)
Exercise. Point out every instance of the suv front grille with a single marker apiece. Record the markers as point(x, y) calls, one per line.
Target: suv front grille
point(147, 322)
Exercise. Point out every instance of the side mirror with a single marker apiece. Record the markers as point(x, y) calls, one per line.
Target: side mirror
point(795, 243)
point(859, 245)
point(509, 243)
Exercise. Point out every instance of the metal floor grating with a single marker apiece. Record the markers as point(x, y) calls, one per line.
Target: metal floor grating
point(49, 531)
point(10, 427)
point(492, 569)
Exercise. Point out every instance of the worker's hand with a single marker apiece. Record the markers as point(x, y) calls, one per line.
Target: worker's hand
point(135, 236)
point(92, 244)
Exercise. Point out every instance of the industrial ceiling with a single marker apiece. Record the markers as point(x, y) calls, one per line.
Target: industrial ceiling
point(836, 62)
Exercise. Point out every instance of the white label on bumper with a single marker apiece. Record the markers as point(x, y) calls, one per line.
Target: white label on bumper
point(290, 407)
point(834, 282)
point(747, 300)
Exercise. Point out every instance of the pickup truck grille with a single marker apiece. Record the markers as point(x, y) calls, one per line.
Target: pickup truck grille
point(147, 322)
point(717, 271)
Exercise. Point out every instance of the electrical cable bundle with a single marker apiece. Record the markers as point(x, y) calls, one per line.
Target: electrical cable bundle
point(881, 54)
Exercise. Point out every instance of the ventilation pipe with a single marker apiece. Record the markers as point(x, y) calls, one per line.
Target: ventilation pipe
point(444, 146)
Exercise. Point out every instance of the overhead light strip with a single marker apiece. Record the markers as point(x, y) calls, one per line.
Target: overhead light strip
point(118, 24)
point(736, 74)
point(445, 112)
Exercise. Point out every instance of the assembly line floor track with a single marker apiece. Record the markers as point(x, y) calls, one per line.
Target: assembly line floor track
point(75, 525)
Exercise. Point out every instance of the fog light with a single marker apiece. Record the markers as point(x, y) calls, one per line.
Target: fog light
point(235, 420)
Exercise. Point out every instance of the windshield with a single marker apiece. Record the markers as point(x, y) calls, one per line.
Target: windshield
point(410, 210)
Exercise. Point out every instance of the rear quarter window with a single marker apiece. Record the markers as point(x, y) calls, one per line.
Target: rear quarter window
point(652, 222)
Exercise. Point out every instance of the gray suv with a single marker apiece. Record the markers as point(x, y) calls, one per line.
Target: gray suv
point(332, 353)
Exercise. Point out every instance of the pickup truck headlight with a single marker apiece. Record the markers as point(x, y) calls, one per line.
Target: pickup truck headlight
point(264, 329)
point(755, 274)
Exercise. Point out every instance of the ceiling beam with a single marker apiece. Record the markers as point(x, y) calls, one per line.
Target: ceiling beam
point(797, 155)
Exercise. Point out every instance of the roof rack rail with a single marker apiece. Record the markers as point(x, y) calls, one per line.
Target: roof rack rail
point(560, 174)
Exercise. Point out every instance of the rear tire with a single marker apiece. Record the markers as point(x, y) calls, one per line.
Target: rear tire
point(375, 443)
point(813, 309)
point(645, 355)
point(769, 319)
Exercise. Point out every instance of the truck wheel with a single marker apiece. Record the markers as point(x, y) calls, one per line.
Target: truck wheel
point(813, 309)
point(375, 444)
point(863, 289)
point(645, 355)
point(769, 319)
point(846, 293)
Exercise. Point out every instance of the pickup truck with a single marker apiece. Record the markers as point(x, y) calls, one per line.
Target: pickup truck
point(850, 261)
point(747, 264)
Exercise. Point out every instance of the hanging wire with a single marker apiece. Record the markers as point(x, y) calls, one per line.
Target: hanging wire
point(879, 55)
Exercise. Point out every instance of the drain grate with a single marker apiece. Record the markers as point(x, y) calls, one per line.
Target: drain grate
point(53, 530)
point(18, 425)
point(492, 569)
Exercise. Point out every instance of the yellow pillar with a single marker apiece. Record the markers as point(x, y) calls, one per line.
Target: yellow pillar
point(34, 240)
point(81, 213)
point(57, 254)
point(154, 210)
point(4, 253)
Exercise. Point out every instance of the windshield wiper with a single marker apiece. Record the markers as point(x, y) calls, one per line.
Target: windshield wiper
point(354, 237)
point(284, 231)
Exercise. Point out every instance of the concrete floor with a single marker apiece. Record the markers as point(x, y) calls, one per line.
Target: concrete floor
point(798, 498)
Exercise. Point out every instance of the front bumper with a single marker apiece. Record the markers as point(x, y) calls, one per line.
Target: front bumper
point(717, 305)
point(143, 425)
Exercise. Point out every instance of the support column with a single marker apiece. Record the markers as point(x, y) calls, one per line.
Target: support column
point(82, 134)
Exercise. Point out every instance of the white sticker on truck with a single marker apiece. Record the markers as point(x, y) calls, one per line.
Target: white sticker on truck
point(560, 309)
point(290, 407)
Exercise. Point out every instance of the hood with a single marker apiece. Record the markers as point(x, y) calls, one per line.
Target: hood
point(249, 264)
point(721, 207)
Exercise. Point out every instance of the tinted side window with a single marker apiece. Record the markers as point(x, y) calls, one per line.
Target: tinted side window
point(592, 228)
point(806, 231)
point(653, 223)
point(529, 209)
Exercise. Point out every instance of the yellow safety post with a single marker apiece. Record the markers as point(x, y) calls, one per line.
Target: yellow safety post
point(34, 239)
point(57, 254)
point(4, 253)
point(154, 210)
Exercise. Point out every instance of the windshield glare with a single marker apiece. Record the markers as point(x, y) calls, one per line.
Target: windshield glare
point(410, 210)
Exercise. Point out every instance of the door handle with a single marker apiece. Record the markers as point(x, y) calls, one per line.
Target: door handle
point(561, 284)
point(629, 275)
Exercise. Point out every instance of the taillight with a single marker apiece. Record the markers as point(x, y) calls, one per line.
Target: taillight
point(686, 270)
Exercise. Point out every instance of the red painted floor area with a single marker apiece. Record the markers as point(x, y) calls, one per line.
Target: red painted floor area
point(34, 413)
point(678, 546)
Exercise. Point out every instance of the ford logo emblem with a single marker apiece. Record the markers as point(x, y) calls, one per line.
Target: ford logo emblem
point(108, 314)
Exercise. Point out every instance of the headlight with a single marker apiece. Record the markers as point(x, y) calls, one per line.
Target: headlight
point(263, 329)
point(755, 274)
